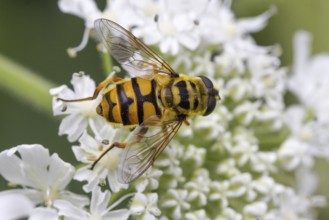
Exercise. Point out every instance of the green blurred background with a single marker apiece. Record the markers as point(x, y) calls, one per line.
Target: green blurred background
point(35, 34)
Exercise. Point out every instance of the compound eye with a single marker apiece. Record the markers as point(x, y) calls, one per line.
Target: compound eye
point(211, 105)
point(207, 82)
point(211, 95)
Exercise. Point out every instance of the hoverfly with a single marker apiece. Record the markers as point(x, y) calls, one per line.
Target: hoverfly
point(156, 100)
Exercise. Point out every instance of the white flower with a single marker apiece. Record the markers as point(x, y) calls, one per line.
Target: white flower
point(231, 60)
point(86, 9)
point(43, 177)
point(294, 153)
point(198, 187)
point(169, 26)
point(196, 155)
point(183, 62)
point(98, 209)
point(220, 191)
point(310, 77)
point(14, 206)
point(243, 145)
point(197, 215)
point(247, 111)
point(306, 182)
point(176, 200)
point(289, 205)
point(42, 213)
point(80, 115)
point(255, 210)
point(229, 214)
point(221, 25)
point(271, 113)
point(295, 117)
point(265, 162)
point(169, 163)
point(149, 179)
point(247, 153)
point(238, 89)
point(204, 65)
point(218, 119)
point(310, 132)
point(89, 12)
point(267, 76)
point(106, 169)
point(227, 167)
point(145, 205)
point(264, 185)
point(242, 184)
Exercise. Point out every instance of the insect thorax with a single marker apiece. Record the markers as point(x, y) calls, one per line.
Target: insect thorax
point(184, 95)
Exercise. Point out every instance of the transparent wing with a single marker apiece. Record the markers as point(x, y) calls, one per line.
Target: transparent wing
point(129, 51)
point(144, 145)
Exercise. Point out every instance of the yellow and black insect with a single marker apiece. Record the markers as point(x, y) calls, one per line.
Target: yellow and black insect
point(156, 100)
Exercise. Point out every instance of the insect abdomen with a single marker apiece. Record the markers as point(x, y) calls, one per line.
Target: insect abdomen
point(130, 102)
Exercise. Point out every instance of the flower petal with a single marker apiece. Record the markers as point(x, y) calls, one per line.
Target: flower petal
point(10, 167)
point(35, 159)
point(60, 173)
point(73, 125)
point(14, 206)
point(42, 213)
point(121, 214)
point(67, 209)
point(99, 200)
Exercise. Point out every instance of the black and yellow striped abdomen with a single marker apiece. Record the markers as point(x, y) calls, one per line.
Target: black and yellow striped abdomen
point(129, 102)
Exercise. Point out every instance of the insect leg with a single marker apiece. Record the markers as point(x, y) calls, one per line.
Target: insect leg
point(96, 92)
point(115, 144)
point(139, 136)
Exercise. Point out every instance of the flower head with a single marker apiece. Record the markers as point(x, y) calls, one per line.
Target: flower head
point(98, 209)
point(81, 114)
point(106, 169)
point(244, 160)
point(145, 205)
point(310, 77)
point(177, 202)
point(43, 177)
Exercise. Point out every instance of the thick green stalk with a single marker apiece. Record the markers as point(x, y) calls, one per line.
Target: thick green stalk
point(25, 84)
point(107, 63)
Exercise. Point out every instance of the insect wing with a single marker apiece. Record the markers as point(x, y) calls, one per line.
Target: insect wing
point(144, 145)
point(129, 51)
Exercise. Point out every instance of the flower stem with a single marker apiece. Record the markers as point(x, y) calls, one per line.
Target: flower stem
point(107, 63)
point(25, 84)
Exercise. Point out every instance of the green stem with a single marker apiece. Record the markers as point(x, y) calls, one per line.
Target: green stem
point(25, 84)
point(107, 63)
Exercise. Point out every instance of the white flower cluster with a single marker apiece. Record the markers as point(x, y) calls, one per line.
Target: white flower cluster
point(252, 158)
point(174, 25)
point(42, 179)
